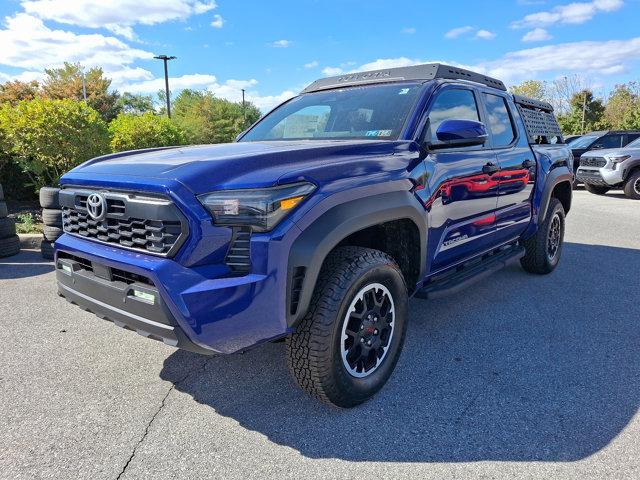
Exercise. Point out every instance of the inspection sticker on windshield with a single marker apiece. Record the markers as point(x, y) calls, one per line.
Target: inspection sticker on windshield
point(378, 133)
point(403, 91)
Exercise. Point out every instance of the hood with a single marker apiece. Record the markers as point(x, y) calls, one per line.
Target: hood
point(634, 152)
point(205, 168)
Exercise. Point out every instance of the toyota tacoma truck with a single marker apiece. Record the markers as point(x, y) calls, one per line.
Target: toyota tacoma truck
point(319, 223)
point(602, 170)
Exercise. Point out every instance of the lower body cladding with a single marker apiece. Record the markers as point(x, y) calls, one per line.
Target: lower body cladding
point(601, 177)
point(160, 299)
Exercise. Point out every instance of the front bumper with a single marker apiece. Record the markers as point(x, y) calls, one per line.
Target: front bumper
point(194, 310)
point(604, 177)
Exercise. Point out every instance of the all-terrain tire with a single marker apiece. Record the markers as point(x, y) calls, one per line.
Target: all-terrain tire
point(632, 186)
point(596, 189)
point(49, 197)
point(314, 351)
point(46, 249)
point(51, 234)
point(3, 209)
point(9, 246)
point(537, 258)
point(7, 227)
point(52, 218)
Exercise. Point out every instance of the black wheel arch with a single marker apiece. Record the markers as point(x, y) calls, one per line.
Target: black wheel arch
point(630, 168)
point(310, 249)
point(558, 184)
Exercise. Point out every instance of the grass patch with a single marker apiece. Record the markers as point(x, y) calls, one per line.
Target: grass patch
point(26, 223)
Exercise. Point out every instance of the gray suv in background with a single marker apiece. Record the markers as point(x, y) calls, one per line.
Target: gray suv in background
point(602, 170)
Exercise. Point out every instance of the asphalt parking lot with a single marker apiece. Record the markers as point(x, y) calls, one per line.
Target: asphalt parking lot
point(521, 376)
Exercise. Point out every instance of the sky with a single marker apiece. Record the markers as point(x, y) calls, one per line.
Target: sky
point(274, 48)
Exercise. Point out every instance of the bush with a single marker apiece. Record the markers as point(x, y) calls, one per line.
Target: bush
point(49, 137)
point(131, 132)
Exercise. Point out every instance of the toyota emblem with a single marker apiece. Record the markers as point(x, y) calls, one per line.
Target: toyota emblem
point(96, 206)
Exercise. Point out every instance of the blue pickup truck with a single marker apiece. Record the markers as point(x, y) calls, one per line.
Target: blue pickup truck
point(320, 221)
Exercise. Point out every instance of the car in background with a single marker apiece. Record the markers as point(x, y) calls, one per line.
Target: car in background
point(571, 138)
point(603, 170)
point(600, 140)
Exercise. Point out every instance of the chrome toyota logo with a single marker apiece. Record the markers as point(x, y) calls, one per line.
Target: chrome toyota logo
point(96, 206)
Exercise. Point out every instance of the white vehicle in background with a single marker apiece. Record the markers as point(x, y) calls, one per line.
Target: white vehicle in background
point(602, 170)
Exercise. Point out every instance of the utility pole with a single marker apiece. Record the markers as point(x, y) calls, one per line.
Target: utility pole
point(584, 109)
point(165, 59)
point(244, 112)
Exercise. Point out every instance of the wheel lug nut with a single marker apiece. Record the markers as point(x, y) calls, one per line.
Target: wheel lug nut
point(369, 343)
point(361, 327)
point(375, 332)
point(362, 340)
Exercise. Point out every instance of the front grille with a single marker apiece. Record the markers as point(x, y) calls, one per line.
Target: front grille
point(134, 221)
point(597, 162)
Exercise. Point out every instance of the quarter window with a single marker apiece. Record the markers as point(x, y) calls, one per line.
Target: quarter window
point(500, 124)
point(458, 104)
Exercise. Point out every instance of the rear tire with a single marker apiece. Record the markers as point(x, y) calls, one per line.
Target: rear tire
point(51, 234)
point(49, 197)
point(632, 186)
point(347, 345)
point(596, 189)
point(52, 218)
point(543, 250)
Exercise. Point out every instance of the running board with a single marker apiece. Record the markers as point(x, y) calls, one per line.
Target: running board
point(468, 273)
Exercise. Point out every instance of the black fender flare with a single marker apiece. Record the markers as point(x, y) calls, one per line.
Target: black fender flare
point(553, 178)
point(633, 165)
point(312, 246)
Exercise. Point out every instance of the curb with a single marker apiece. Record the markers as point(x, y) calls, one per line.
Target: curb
point(30, 241)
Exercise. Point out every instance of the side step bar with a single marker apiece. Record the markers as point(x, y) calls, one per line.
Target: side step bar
point(461, 277)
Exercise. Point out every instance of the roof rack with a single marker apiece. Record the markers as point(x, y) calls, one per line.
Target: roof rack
point(427, 71)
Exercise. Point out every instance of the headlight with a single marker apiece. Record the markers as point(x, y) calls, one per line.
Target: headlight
point(616, 159)
point(260, 208)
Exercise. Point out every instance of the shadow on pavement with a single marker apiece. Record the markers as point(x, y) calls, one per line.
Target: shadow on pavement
point(518, 368)
point(28, 263)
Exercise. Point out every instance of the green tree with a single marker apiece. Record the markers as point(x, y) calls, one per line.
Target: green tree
point(66, 82)
point(571, 122)
point(49, 137)
point(622, 102)
point(207, 119)
point(135, 104)
point(131, 132)
point(532, 89)
point(15, 91)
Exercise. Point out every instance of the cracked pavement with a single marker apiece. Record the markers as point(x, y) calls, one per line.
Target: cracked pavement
point(520, 376)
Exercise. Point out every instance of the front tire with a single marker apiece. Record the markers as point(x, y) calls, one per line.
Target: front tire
point(632, 186)
point(347, 345)
point(543, 250)
point(596, 189)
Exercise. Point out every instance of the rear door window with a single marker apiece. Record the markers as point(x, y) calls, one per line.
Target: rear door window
point(499, 119)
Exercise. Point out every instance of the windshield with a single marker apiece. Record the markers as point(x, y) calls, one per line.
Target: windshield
point(372, 112)
point(584, 142)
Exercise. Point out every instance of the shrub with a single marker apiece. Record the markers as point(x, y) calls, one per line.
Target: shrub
point(131, 132)
point(49, 137)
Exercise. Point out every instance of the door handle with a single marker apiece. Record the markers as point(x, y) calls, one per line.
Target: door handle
point(528, 163)
point(490, 168)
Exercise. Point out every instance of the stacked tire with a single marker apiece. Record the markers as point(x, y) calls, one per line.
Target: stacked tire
point(52, 219)
point(9, 241)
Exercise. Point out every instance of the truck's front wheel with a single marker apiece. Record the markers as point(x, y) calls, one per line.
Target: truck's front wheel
point(632, 186)
point(348, 343)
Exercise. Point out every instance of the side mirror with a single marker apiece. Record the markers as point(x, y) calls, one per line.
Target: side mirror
point(460, 133)
point(597, 147)
point(239, 136)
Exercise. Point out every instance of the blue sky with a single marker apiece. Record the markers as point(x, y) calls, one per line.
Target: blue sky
point(274, 48)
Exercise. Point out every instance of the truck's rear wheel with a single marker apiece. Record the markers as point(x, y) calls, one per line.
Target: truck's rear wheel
point(347, 345)
point(598, 190)
point(542, 251)
point(632, 185)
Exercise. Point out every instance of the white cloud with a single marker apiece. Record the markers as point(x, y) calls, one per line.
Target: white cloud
point(117, 16)
point(29, 44)
point(456, 32)
point(218, 21)
point(313, 64)
point(485, 35)
point(536, 35)
point(281, 43)
point(572, 13)
point(330, 71)
point(408, 30)
point(196, 81)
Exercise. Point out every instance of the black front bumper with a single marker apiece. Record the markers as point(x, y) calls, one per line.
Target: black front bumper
point(111, 296)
